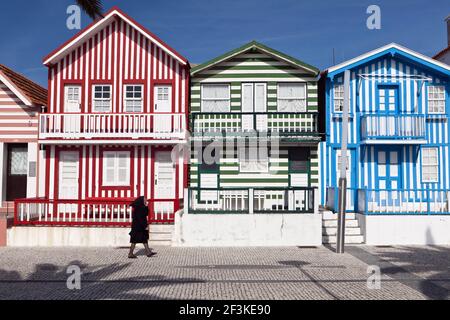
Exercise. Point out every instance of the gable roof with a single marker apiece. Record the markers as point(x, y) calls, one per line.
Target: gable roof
point(441, 53)
point(255, 45)
point(98, 24)
point(26, 90)
point(393, 49)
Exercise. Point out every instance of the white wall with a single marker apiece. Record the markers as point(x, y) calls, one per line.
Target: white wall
point(212, 230)
point(405, 230)
point(3, 163)
point(31, 181)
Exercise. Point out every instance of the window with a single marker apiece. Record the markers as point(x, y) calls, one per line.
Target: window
point(430, 166)
point(254, 97)
point(292, 97)
point(116, 168)
point(299, 159)
point(215, 98)
point(253, 159)
point(102, 98)
point(338, 97)
point(133, 98)
point(436, 99)
point(209, 159)
point(72, 98)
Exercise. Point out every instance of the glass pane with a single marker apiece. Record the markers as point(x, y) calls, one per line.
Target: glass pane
point(18, 161)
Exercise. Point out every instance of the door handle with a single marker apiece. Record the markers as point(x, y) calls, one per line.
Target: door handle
point(156, 106)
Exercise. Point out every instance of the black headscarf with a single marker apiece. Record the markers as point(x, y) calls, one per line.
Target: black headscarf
point(138, 202)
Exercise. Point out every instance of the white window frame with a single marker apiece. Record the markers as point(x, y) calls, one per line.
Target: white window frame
point(247, 165)
point(133, 99)
point(116, 181)
point(94, 99)
point(305, 98)
point(426, 164)
point(432, 91)
point(202, 98)
point(67, 94)
point(253, 86)
point(338, 88)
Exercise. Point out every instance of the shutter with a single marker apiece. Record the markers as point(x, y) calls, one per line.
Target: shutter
point(260, 97)
point(247, 97)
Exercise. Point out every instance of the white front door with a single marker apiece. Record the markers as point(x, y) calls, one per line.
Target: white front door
point(164, 175)
point(68, 175)
point(254, 101)
point(163, 104)
point(72, 108)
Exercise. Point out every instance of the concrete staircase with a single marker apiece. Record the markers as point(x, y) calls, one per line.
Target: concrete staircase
point(329, 228)
point(161, 234)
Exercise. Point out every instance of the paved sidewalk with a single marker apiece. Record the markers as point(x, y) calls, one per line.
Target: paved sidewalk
point(226, 273)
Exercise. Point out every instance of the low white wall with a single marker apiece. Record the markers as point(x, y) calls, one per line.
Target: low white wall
point(405, 230)
point(67, 237)
point(230, 230)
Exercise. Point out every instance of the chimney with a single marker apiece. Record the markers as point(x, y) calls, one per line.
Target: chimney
point(448, 29)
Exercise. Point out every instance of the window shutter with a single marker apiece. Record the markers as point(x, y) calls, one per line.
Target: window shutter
point(247, 97)
point(260, 97)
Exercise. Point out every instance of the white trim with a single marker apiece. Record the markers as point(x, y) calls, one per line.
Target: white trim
point(104, 142)
point(15, 90)
point(94, 28)
point(395, 141)
point(259, 48)
point(381, 49)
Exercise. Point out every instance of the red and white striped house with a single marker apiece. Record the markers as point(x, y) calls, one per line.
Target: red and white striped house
point(115, 122)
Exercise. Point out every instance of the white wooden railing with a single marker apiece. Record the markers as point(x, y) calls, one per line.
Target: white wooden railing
point(393, 127)
point(112, 125)
point(89, 212)
point(289, 123)
point(252, 200)
point(404, 201)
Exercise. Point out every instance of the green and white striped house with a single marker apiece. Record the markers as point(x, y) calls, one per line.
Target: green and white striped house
point(263, 106)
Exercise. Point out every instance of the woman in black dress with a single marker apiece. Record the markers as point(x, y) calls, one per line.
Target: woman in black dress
point(139, 226)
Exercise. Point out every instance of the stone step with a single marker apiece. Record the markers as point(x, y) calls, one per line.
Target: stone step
point(160, 243)
point(332, 231)
point(333, 223)
point(160, 236)
point(350, 239)
point(162, 228)
point(329, 215)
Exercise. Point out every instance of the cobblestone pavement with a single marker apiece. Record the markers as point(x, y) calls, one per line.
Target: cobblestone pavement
point(226, 273)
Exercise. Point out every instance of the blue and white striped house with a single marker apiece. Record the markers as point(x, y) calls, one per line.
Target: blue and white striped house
point(398, 151)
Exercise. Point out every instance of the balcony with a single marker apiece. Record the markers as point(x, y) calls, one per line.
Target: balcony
point(105, 212)
point(391, 129)
point(281, 124)
point(404, 201)
point(96, 127)
point(251, 200)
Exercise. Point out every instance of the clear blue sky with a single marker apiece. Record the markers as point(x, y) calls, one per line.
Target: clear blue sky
point(203, 29)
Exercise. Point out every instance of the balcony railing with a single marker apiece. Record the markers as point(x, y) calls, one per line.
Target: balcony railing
point(91, 212)
point(249, 200)
point(112, 126)
point(393, 127)
point(404, 201)
point(291, 123)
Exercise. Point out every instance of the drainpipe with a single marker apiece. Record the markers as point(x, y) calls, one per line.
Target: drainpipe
point(342, 203)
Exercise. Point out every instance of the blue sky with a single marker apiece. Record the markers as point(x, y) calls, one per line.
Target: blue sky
point(203, 29)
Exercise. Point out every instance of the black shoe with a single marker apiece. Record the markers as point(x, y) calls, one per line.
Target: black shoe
point(151, 254)
point(132, 256)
